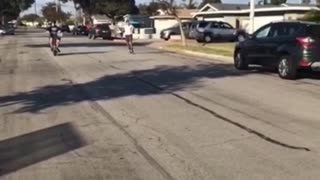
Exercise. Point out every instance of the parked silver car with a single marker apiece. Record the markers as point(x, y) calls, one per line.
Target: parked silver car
point(208, 31)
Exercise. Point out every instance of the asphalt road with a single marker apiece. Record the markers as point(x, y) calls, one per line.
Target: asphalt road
point(98, 112)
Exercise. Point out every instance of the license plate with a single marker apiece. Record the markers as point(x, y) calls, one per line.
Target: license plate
point(104, 31)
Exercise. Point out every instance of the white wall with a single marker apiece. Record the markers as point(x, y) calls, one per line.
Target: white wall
point(260, 21)
point(161, 24)
point(214, 19)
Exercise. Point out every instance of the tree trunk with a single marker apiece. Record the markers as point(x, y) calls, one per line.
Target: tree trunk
point(183, 36)
point(76, 14)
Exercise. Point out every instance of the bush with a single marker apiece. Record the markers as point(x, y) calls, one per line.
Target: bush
point(313, 16)
point(70, 22)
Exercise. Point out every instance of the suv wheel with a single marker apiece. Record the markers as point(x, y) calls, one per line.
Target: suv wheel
point(286, 68)
point(239, 62)
point(207, 38)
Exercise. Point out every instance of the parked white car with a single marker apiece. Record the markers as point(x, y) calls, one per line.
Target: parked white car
point(2, 32)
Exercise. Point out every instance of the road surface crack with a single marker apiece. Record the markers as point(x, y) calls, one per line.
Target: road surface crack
point(217, 115)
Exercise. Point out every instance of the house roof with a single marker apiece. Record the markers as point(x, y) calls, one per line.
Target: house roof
point(244, 9)
point(298, 5)
point(230, 7)
point(182, 13)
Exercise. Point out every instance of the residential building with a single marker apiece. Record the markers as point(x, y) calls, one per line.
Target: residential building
point(238, 14)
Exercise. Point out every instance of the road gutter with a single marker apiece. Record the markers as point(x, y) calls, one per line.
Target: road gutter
point(225, 59)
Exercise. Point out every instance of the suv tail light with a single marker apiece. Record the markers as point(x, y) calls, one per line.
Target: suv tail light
point(305, 42)
point(97, 30)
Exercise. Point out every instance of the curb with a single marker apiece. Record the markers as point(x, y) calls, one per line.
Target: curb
point(226, 59)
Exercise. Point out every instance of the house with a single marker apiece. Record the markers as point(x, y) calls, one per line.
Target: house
point(164, 21)
point(238, 14)
point(30, 24)
point(138, 21)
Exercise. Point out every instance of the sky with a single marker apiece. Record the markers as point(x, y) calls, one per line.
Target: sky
point(69, 6)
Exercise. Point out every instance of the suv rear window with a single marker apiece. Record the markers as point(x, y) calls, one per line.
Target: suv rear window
point(203, 24)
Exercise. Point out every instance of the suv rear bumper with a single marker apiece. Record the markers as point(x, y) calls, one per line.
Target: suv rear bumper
point(103, 34)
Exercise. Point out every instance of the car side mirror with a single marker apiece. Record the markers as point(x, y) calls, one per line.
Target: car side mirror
point(250, 36)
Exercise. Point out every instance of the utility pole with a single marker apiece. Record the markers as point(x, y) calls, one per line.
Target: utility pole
point(56, 3)
point(252, 7)
point(35, 7)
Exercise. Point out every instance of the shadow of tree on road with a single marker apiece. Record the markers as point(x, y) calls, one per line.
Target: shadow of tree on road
point(81, 53)
point(90, 44)
point(25, 150)
point(133, 83)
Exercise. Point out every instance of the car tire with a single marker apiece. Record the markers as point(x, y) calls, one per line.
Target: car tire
point(208, 38)
point(240, 37)
point(239, 61)
point(167, 38)
point(287, 68)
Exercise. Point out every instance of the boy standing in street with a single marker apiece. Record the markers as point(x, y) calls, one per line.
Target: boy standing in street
point(128, 31)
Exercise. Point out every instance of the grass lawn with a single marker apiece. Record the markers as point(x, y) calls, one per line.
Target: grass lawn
point(223, 49)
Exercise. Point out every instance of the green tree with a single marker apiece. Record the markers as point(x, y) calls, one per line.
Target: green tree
point(11, 9)
point(312, 16)
point(189, 4)
point(30, 17)
point(169, 7)
point(110, 8)
point(115, 8)
point(306, 1)
point(150, 9)
point(133, 8)
point(50, 13)
point(205, 2)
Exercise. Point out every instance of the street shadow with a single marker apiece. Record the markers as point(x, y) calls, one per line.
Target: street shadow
point(90, 44)
point(81, 53)
point(134, 83)
point(28, 149)
point(308, 74)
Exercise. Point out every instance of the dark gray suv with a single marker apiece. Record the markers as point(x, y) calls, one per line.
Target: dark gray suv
point(288, 46)
point(175, 30)
point(208, 31)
